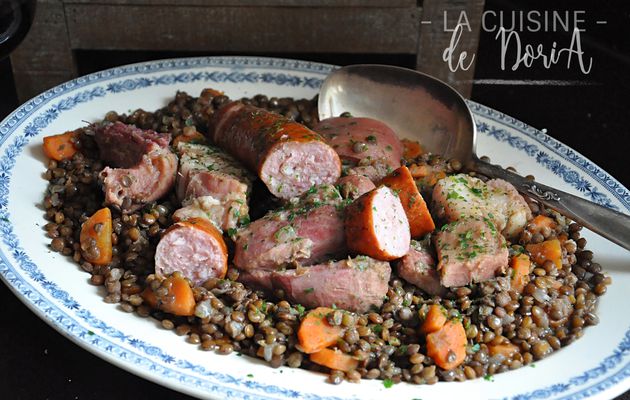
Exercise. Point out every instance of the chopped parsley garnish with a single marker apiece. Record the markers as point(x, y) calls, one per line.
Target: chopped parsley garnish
point(389, 148)
point(388, 383)
point(250, 375)
point(309, 290)
point(90, 333)
point(231, 232)
point(489, 378)
point(371, 139)
point(300, 309)
point(377, 328)
point(312, 190)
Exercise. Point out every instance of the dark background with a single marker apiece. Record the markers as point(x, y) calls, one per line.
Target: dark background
point(38, 363)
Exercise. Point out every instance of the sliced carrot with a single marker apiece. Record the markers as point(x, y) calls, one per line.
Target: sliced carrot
point(542, 221)
point(420, 170)
point(179, 299)
point(434, 320)
point(411, 149)
point(448, 341)
point(507, 350)
point(96, 237)
point(60, 147)
point(149, 297)
point(521, 266)
point(182, 295)
point(547, 250)
point(189, 135)
point(315, 333)
point(334, 359)
point(402, 183)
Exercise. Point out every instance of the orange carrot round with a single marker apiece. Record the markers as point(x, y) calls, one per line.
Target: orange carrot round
point(450, 339)
point(435, 319)
point(60, 147)
point(547, 250)
point(179, 299)
point(315, 333)
point(334, 359)
point(520, 272)
point(96, 237)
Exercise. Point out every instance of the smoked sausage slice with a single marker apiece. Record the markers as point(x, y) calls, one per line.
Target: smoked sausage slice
point(287, 156)
point(195, 248)
point(376, 225)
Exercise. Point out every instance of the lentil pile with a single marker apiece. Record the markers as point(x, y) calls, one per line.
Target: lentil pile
point(555, 306)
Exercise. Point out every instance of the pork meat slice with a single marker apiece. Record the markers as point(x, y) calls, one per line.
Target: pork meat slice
point(147, 180)
point(212, 185)
point(418, 268)
point(470, 250)
point(460, 196)
point(355, 284)
point(123, 146)
point(304, 235)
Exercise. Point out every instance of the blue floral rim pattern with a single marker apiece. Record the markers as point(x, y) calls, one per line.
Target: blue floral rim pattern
point(235, 69)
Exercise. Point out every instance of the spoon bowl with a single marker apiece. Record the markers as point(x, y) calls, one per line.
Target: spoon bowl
point(423, 108)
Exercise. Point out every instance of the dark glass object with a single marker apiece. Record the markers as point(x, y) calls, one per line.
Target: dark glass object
point(16, 17)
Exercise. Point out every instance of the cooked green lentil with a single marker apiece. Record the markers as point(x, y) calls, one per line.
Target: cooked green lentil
point(554, 308)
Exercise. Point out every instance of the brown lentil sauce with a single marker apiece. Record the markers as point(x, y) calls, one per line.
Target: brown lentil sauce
point(553, 310)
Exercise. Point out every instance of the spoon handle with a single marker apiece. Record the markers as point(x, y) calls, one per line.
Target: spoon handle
point(608, 223)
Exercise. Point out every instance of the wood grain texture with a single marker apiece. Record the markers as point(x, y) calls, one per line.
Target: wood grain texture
point(265, 3)
point(45, 55)
point(259, 29)
point(433, 39)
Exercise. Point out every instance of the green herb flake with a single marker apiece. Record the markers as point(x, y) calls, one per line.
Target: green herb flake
point(90, 333)
point(388, 383)
point(377, 329)
point(312, 190)
point(309, 290)
point(250, 375)
point(489, 378)
point(532, 365)
point(231, 232)
point(389, 148)
point(371, 139)
point(300, 309)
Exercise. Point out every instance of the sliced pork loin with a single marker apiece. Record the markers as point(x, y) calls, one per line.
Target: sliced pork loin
point(308, 232)
point(376, 225)
point(287, 156)
point(361, 140)
point(460, 196)
point(142, 167)
point(355, 284)
point(354, 186)
point(418, 268)
point(213, 185)
point(470, 250)
point(194, 247)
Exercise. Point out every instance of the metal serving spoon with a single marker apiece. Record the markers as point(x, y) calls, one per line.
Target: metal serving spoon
point(418, 106)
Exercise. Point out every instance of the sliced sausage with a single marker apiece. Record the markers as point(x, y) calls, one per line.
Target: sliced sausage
point(356, 284)
point(470, 250)
point(195, 248)
point(418, 268)
point(362, 140)
point(287, 156)
point(402, 183)
point(376, 225)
